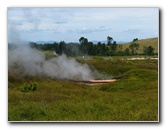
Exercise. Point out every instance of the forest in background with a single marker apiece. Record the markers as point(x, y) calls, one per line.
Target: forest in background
point(110, 48)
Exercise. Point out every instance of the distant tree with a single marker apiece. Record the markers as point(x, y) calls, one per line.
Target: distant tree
point(99, 44)
point(114, 46)
point(83, 40)
point(127, 51)
point(103, 49)
point(72, 49)
point(84, 45)
point(90, 48)
point(99, 49)
point(148, 50)
point(134, 46)
point(135, 39)
point(56, 47)
point(95, 49)
point(61, 47)
point(109, 40)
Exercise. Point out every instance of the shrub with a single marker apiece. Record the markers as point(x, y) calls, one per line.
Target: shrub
point(28, 86)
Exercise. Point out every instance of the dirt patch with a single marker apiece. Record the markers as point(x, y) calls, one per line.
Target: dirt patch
point(96, 82)
point(102, 81)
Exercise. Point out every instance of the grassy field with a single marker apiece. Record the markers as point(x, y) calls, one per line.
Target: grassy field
point(144, 42)
point(133, 97)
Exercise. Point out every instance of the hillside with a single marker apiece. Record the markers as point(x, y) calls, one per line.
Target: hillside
point(143, 42)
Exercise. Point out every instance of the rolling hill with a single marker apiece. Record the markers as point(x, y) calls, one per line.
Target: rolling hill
point(143, 42)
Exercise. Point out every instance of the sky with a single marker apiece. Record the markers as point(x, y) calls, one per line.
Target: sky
point(69, 24)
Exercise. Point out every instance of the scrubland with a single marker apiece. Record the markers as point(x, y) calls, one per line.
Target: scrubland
point(133, 97)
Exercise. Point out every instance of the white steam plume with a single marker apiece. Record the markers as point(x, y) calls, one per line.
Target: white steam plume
point(31, 61)
point(22, 59)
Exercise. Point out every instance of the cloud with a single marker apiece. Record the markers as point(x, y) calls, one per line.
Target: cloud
point(132, 31)
point(60, 22)
point(86, 30)
point(67, 21)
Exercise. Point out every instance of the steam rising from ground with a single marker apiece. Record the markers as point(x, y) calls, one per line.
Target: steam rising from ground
point(33, 62)
point(24, 60)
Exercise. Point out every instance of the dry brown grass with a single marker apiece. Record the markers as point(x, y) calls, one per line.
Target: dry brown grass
point(143, 42)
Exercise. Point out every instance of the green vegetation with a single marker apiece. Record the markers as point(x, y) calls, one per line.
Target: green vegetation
point(111, 48)
point(133, 97)
point(26, 87)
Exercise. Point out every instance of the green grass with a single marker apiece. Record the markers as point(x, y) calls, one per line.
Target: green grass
point(134, 97)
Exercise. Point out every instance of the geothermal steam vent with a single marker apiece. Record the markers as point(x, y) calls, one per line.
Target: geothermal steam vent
point(34, 63)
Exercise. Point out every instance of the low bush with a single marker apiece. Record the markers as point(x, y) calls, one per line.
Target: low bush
point(28, 86)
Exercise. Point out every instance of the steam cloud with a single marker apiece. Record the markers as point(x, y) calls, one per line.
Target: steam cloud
point(33, 62)
point(22, 59)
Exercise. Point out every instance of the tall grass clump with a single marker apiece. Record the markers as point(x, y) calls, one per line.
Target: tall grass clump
point(28, 86)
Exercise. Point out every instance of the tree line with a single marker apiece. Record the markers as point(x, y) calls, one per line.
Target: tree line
point(84, 47)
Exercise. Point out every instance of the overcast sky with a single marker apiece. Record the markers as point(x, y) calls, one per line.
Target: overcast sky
point(69, 24)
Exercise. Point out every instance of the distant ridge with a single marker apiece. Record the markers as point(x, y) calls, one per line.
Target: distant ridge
point(142, 42)
point(105, 41)
point(93, 41)
point(122, 45)
point(42, 42)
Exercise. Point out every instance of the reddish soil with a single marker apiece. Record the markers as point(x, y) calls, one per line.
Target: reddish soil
point(102, 81)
